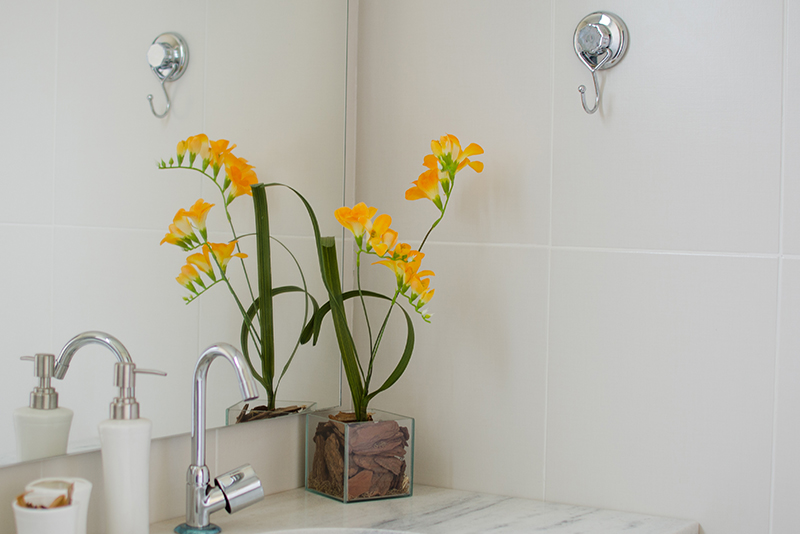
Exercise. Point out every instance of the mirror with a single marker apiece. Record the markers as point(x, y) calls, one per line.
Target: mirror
point(84, 206)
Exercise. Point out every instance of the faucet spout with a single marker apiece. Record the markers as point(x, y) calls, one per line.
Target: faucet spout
point(233, 490)
point(86, 338)
point(247, 387)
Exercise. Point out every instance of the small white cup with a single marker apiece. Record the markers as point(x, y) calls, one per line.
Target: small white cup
point(50, 488)
point(61, 520)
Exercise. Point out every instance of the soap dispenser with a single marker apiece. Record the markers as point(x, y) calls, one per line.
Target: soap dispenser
point(42, 428)
point(125, 449)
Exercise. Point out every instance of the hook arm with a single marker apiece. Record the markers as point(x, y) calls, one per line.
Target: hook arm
point(593, 70)
point(150, 99)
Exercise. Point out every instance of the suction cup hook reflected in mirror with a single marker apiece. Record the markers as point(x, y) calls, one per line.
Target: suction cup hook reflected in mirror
point(168, 57)
point(600, 41)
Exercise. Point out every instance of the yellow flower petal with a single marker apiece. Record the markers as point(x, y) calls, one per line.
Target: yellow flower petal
point(426, 186)
point(356, 219)
point(223, 252)
point(202, 261)
point(198, 212)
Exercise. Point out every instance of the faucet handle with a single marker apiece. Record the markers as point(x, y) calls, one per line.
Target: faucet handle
point(241, 488)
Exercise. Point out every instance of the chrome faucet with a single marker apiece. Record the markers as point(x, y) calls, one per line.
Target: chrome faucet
point(235, 489)
point(81, 340)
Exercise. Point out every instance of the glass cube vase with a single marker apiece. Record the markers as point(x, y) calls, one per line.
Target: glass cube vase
point(360, 461)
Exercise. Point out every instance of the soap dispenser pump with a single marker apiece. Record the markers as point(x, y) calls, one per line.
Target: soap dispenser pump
point(125, 449)
point(42, 428)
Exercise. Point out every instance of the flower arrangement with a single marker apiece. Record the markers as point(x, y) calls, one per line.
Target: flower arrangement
point(374, 237)
point(208, 265)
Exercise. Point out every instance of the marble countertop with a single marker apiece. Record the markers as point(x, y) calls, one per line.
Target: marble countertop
point(435, 511)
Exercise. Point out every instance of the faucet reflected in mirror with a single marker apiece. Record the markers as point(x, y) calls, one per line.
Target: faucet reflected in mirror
point(42, 429)
point(235, 489)
point(87, 338)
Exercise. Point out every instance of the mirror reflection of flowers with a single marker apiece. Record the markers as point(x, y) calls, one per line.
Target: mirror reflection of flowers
point(374, 237)
point(208, 264)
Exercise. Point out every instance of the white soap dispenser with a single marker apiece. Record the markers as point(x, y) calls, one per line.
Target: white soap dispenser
point(125, 448)
point(42, 428)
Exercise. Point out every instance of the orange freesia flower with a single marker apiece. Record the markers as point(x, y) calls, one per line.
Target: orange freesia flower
point(219, 149)
point(223, 252)
point(241, 176)
point(197, 214)
point(198, 145)
point(381, 237)
point(426, 297)
point(404, 270)
point(419, 287)
point(202, 261)
point(426, 186)
point(403, 252)
point(180, 231)
point(448, 151)
point(384, 242)
point(182, 146)
point(396, 266)
point(188, 277)
point(355, 219)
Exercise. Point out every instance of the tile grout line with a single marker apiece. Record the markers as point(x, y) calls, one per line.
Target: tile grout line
point(53, 190)
point(779, 288)
point(618, 250)
point(549, 250)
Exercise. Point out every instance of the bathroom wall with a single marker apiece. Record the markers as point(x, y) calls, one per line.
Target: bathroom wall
point(618, 294)
point(83, 206)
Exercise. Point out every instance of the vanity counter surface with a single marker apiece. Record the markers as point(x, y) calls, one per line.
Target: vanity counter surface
point(435, 511)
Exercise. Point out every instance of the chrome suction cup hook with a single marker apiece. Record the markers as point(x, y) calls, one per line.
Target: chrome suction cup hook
point(600, 41)
point(168, 57)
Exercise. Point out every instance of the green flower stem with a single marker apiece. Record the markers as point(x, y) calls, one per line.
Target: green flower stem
point(224, 278)
point(446, 202)
point(205, 288)
point(374, 351)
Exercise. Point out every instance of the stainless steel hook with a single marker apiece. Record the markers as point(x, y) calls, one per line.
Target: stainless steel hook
point(600, 41)
point(166, 95)
point(168, 57)
point(582, 88)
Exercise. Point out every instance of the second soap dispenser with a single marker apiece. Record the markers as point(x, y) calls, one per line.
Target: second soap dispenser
point(125, 449)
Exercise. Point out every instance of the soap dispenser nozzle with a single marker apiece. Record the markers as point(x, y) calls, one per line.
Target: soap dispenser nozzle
point(125, 406)
point(44, 396)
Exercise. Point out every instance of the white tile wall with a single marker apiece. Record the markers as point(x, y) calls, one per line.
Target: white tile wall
point(660, 382)
point(657, 316)
point(28, 104)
